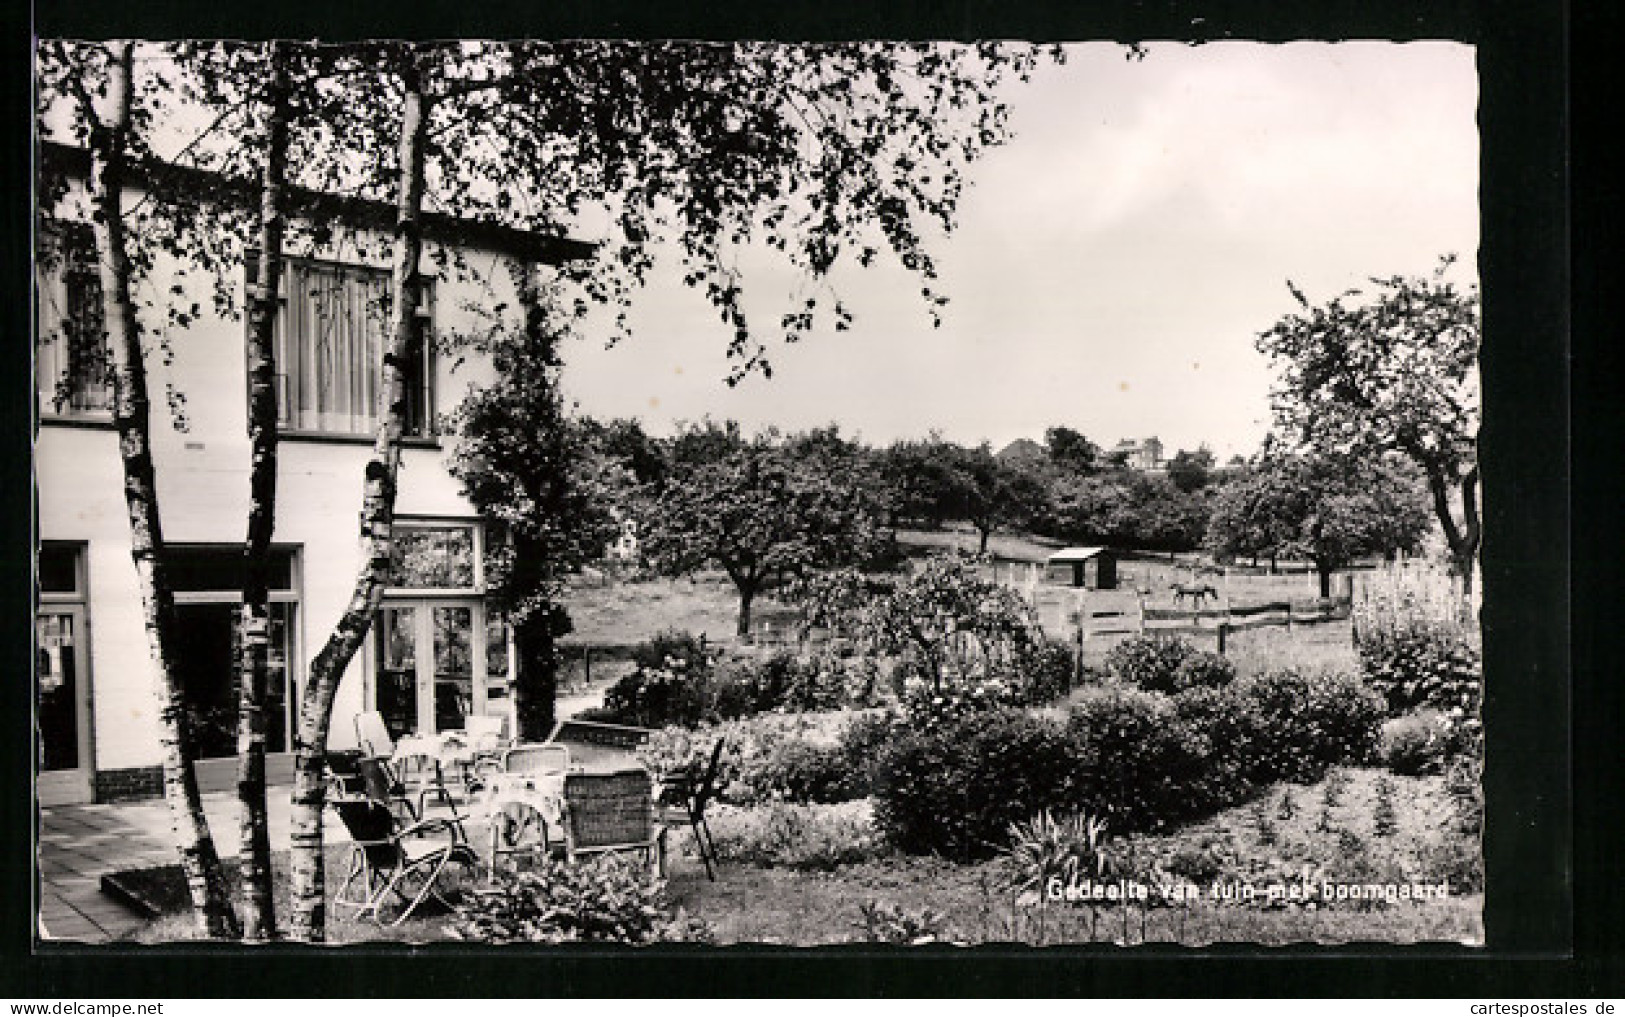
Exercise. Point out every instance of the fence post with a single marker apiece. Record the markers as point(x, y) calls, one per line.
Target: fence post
point(1224, 630)
point(586, 666)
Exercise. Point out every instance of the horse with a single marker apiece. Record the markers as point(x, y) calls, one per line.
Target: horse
point(1196, 592)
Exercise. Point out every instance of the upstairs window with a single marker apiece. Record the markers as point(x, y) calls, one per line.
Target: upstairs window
point(71, 345)
point(331, 333)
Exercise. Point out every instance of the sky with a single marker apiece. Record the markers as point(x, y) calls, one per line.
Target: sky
point(1113, 263)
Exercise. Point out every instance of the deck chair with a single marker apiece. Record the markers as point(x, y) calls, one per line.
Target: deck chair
point(352, 775)
point(684, 794)
point(395, 861)
point(372, 735)
point(611, 812)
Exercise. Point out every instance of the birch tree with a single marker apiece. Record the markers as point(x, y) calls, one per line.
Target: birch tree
point(98, 81)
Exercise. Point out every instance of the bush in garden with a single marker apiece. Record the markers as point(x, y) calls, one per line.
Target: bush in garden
point(956, 787)
point(890, 923)
point(765, 758)
point(1203, 669)
point(671, 683)
point(1418, 743)
point(861, 742)
point(791, 836)
point(1301, 724)
point(1140, 765)
point(607, 899)
point(926, 707)
point(679, 651)
point(654, 697)
point(1223, 720)
point(1044, 673)
point(1418, 662)
point(1148, 661)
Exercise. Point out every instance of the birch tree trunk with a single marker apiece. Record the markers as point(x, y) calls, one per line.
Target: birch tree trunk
point(109, 145)
point(308, 921)
point(258, 908)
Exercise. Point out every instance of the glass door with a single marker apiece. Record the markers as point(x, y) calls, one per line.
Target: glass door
point(61, 705)
point(430, 665)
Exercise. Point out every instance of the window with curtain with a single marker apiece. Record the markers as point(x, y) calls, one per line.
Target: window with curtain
point(71, 345)
point(330, 340)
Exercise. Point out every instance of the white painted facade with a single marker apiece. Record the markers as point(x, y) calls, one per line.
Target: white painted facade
point(203, 477)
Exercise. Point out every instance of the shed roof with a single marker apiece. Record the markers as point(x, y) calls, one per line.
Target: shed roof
point(1076, 553)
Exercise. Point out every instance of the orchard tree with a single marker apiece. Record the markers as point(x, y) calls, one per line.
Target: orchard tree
point(1330, 510)
point(1394, 369)
point(758, 514)
point(919, 481)
point(1191, 471)
point(992, 495)
point(1071, 452)
point(945, 613)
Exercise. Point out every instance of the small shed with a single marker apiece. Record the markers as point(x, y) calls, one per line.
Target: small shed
point(1092, 568)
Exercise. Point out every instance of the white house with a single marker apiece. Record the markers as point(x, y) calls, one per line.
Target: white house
point(433, 655)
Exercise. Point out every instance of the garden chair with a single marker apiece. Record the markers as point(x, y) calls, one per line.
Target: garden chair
point(352, 775)
point(372, 735)
point(400, 860)
point(419, 773)
point(684, 794)
point(611, 812)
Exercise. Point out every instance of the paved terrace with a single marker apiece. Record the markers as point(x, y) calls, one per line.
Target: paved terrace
point(78, 844)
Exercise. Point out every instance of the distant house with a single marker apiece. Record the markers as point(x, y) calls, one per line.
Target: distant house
point(1141, 454)
point(1022, 450)
point(1092, 568)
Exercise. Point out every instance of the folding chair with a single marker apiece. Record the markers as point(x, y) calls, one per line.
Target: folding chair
point(352, 775)
point(684, 795)
point(372, 735)
point(394, 860)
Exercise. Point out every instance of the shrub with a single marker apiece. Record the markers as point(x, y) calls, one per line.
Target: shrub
point(790, 836)
point(1044, 673)
point(1417, 744)
point(1148, 661)
point(609, 899)
point(889, 923)
point(765, 758)
point(1422, 662)
point(657, 696)
point(680, 651)
point(1141, 766)
point(1300, 724)
point(956, 787)
point(1203, 669)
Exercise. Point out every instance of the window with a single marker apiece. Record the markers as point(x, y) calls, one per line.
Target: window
point(332, 330)
point(71, 364)
point(433, 557)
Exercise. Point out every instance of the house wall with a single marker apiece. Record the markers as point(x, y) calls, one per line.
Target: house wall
point(203, 492)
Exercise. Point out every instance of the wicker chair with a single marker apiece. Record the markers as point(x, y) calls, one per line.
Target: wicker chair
point(611, 812)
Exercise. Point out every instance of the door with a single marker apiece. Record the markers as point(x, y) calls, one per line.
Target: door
point(62, 706)
point(430, 667)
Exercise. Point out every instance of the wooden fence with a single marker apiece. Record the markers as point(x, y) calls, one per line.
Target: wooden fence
point(1217, 623)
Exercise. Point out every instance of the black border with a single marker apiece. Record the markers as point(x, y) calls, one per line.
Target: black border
point(1534, 908)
